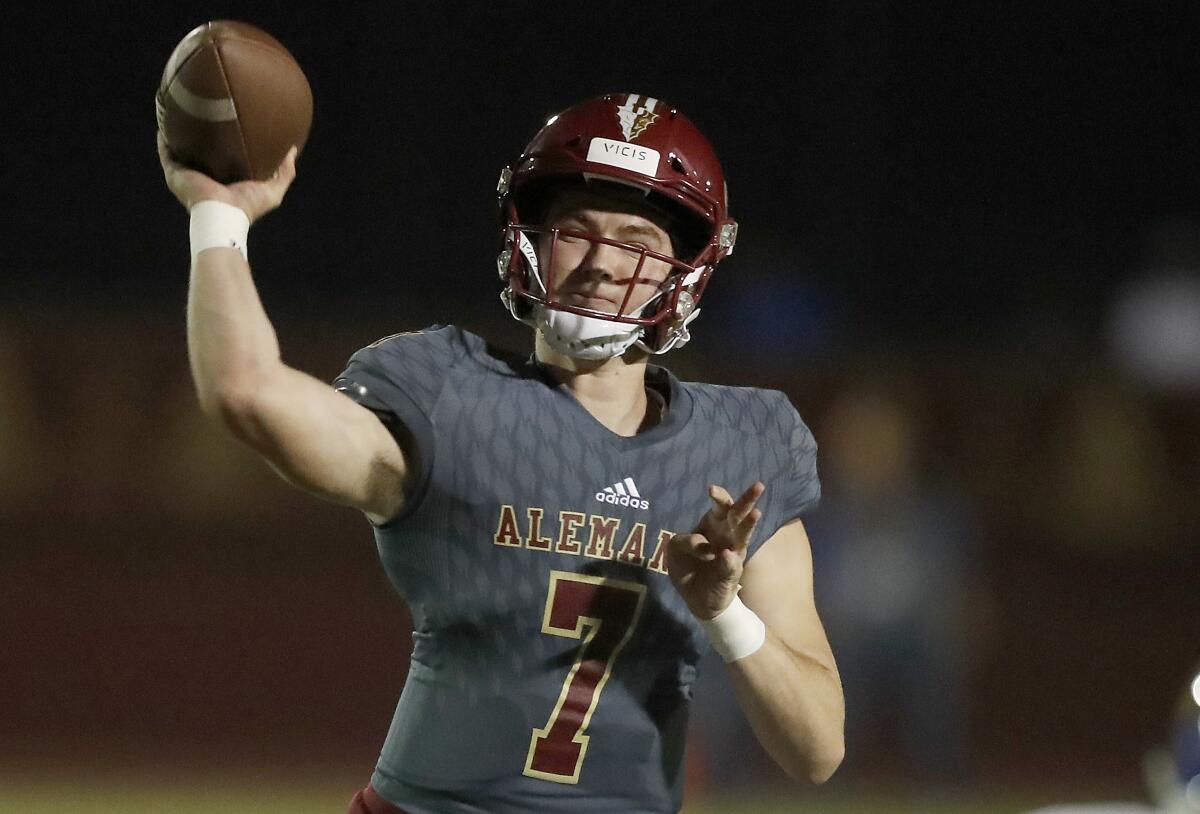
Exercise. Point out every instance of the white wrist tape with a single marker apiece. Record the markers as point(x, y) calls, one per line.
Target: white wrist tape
point(735, 632)
point(218, 224)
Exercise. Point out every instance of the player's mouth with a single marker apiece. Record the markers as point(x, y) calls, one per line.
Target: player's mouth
point(591, 301)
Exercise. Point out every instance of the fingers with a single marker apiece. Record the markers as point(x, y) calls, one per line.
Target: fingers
point(730, 523)
point(744, 505)
point(721, 501)
point(287, 168)
point(730, 565)
point(735, 511)
point(746, 528)
point(164, 154)
point(687, 551)
point(693, 545)
point(284, 175)
point(175, 174)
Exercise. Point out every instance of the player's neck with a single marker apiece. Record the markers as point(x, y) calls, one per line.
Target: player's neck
point(612, 390)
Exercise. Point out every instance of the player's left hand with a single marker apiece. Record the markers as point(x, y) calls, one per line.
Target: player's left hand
point(706, 565)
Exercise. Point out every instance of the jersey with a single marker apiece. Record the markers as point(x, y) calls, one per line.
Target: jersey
point(552, 658)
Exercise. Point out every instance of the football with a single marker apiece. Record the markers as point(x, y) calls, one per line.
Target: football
point(232, 101)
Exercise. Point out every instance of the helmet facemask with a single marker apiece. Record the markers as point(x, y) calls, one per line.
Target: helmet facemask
point(649, 304)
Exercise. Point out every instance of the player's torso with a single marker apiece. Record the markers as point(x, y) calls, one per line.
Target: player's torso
point(550, 645)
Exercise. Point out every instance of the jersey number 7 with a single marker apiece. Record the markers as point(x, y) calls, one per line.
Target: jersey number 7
point(602, 612)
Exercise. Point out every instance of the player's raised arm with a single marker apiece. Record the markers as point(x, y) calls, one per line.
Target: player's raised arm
point(313, 436)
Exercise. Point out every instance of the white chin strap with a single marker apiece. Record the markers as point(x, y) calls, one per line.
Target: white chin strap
point(584, 337)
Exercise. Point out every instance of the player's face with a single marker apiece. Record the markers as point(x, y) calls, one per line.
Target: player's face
point(598, 275)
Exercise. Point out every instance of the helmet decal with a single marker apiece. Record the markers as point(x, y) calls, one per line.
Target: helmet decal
point(621, 154)
point(636, 115)
point(526, 247)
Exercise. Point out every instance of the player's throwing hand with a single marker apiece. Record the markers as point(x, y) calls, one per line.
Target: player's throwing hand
point(256, 198)
point(706, 565)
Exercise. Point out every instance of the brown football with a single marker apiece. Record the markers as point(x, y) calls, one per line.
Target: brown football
point(232, 102)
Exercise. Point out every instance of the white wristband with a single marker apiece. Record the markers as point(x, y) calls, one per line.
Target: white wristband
point(735, 632)
point(218, 224)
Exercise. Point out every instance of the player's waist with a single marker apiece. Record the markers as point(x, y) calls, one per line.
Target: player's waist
point(445, 735)
point(521, 795)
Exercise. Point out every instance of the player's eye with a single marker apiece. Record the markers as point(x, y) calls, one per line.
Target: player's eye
point(568, 233)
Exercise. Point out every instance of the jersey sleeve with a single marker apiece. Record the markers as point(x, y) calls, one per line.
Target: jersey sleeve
point(804, 485)
point(400, 378)
point(797, 488)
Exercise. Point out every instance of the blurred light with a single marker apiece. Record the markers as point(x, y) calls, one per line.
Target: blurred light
point(1191, 792)
point(1196, 690)
point(551, 120)
point(1155, 328)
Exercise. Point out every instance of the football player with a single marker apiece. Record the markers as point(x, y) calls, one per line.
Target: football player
point(571, 528)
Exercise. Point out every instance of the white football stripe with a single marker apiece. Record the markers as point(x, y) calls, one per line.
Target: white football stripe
point(173, 63)
point(201, 107)
point(632, 489)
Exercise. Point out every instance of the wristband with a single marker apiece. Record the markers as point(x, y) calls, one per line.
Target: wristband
point(735, 632)
point(216, 224)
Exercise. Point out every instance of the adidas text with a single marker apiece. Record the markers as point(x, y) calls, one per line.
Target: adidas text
point(623, 493)
point(622, 500)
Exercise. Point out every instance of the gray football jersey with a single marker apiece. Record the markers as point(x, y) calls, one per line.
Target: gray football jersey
point(553, 660)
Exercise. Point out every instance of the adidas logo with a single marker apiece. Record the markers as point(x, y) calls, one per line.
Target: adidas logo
point(623, 493)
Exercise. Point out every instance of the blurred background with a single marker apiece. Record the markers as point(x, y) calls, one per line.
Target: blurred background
point(969, 252)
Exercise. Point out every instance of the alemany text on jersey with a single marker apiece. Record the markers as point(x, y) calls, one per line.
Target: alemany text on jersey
point(581, 534)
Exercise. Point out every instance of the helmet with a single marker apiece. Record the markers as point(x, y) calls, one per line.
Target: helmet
point(630, 145)
point(1173, 772)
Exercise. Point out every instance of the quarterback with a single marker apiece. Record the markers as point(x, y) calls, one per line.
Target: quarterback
point(571, 528)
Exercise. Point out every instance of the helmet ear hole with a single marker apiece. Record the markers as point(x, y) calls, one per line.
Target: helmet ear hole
point(574, 142)
point(676, 164)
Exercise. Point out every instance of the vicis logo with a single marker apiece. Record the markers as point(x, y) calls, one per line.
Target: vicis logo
point(623, 493)
point(626, 151)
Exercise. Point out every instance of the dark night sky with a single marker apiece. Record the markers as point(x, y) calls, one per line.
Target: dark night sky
point(928, 168)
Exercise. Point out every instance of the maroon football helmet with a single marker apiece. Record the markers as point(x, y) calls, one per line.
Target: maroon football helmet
point(633, 146)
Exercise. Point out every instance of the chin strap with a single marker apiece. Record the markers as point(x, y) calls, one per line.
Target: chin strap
point(677, 336)
point(584, 337)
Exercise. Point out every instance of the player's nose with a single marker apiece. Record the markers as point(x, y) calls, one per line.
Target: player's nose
point(608, 263)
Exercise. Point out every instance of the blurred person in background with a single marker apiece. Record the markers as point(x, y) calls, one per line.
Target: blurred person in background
point(1172, 771)
point(896, 565)
point(1101, 478)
